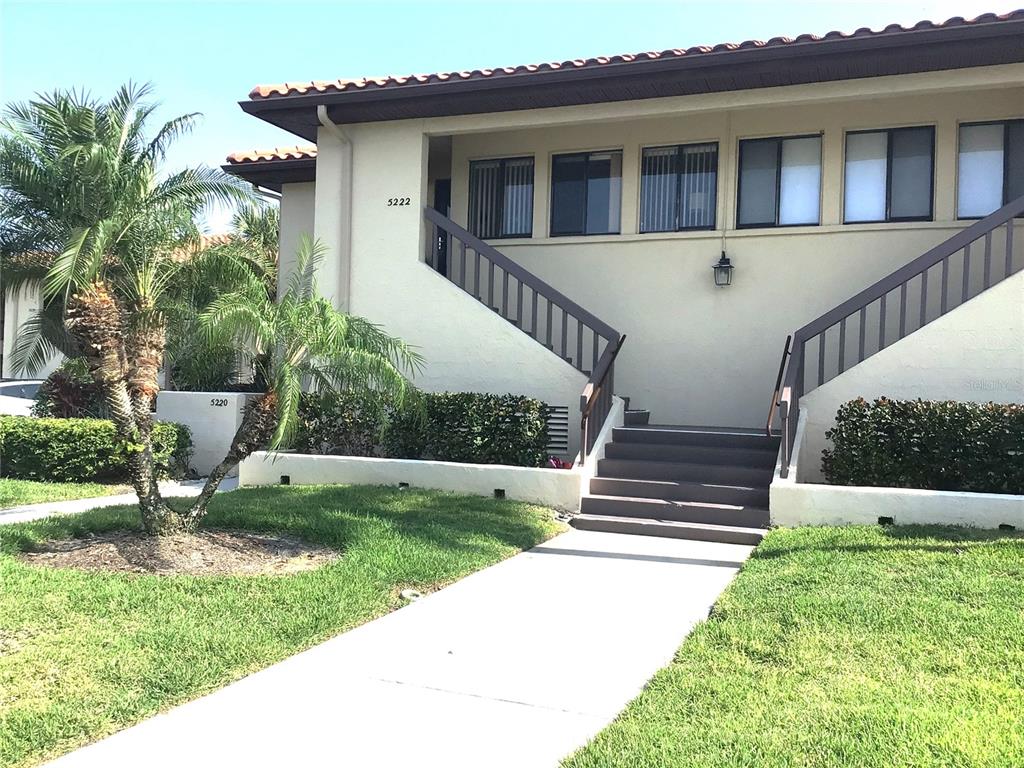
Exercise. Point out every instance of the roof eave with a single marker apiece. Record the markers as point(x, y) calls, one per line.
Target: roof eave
point(287, 111)
point(273, 174)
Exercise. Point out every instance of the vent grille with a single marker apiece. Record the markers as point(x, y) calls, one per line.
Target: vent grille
point(558, 430)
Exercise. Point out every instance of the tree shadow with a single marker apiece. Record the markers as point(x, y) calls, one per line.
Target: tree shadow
point(340, 516)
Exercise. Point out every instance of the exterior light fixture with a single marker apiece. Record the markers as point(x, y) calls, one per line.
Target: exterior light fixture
point(723, 271)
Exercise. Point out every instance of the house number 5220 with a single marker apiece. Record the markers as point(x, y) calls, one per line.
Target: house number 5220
point(398, 201)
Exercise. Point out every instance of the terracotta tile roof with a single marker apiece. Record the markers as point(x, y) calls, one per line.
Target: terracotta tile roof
point(262, 92)
point(307, 151)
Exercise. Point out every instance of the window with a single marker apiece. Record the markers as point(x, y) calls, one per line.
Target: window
point(991, 170)
point(889, 175)
point(678, 187)
point(780, 182)
point(501, 197)
point(586, 193)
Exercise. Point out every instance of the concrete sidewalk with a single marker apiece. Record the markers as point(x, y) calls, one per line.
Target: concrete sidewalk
point(516, 665)
point(170, 488)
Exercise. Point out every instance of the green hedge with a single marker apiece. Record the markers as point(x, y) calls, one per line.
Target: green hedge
point(474, 428)
point(935, 445)
point(341, 424)
point(82, 450)
point(463, 426)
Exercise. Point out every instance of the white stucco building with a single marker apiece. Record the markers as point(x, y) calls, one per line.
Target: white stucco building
point(516, 223)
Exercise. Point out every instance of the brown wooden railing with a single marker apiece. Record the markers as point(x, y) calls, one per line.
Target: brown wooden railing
point(941, 279)
point(537, 308)
point(596, 400)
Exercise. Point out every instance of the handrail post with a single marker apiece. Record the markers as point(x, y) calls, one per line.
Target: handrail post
point(784, 443)
point(596, 399)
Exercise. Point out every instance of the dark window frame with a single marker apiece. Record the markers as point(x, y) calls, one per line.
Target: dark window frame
point(1006, 161)
point(890, 219)
point(502, 161)
point(778, 178)
point(679, 183)
point(586, 155)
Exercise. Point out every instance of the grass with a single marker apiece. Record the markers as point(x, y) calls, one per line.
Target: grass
point(891, 647)
point(85, 654)
point(14, 493)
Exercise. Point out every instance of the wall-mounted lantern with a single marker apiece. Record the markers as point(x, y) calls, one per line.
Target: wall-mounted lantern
point(723, 271)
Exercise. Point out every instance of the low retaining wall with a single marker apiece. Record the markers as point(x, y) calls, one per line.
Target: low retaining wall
point(557, 488)
point(816, 504)
point(795, 503)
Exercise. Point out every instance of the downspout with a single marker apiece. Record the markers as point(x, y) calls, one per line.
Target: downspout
point(345, 214)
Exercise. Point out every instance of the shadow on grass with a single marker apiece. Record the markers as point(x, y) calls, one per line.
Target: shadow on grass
point(335, 516)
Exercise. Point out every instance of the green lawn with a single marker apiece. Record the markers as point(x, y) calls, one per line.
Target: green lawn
point(14, 493)
point(837, 647)
point(83, 654)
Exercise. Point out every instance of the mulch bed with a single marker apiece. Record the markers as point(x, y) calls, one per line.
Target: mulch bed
point(204, 553)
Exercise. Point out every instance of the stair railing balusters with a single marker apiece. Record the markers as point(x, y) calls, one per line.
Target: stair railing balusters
point(793, 382)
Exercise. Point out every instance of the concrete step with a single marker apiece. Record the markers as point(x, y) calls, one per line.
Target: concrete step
point(737, 495)
point(674, 510)
point(712, 437)
point(759, 458)
point(636, 417)
point(719, 474)
point(727, 534)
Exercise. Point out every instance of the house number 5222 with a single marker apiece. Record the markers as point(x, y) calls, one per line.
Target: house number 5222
point(398, 201)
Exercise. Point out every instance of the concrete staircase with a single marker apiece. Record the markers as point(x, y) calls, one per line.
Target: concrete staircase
point(705, 483)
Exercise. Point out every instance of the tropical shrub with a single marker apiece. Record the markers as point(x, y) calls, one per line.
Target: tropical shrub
point(83, 450)
point(473, 427)
point(939, 445)
point(469, 427)
point(69, 393)
point(342, 423)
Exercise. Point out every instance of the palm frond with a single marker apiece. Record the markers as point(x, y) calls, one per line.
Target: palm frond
point(40, 338)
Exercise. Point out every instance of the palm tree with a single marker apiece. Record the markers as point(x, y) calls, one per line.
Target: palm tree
point(300, 340)
point(223, 263)
point(85, 212)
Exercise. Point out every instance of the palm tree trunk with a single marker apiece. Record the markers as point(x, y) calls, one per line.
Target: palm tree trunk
point(253, 434)
point(96, 321)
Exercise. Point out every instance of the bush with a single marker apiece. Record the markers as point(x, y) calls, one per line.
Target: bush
point(473, 427)
point(947, 446)
point(69, 393)
point(465, 426)
point(82, 450)
point(342, 424)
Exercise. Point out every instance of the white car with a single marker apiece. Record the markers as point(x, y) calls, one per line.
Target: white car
point(16, 397)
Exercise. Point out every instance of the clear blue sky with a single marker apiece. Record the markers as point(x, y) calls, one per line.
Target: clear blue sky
point(205, 56)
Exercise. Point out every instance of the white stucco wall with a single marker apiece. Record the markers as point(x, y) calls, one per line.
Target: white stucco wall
point(465, 345)
point(556, 488)
point(698, 354)
point(297, 217)
point(616, 418)
point(212, 417)
point(795, 504)
point(695, 354)
point(974, 353)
